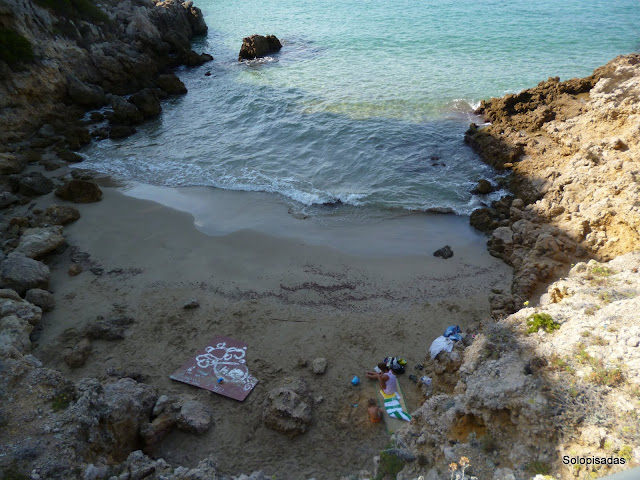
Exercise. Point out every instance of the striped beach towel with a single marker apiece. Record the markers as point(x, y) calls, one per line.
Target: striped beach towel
point(393, 407)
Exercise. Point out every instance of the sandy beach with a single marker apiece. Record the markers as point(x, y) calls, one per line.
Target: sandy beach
point(292, 288)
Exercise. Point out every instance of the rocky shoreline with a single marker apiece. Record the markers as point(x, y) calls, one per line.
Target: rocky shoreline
point(78, 57)
point(572, 151)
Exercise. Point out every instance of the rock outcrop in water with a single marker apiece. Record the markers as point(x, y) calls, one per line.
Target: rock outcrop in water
point(573, 149)
point(258, 46)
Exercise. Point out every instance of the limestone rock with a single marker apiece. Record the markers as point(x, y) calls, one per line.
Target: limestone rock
point(22, 273)
point(15, 332)
point(75, 270)
point(77, 356)
point(34, 184)
point(85, 94)
point(20, 308)
point(193, 417)
point(171, 84)
point(633, 341)
point(40, 298)
point(109, 329)
point(286, 411)
point(80, 191)
point(57, 215)
point(128, 405)
point(125, 112)
point(319, 365)
point(444, 252)
point(482, 188)
point(147, 102)
point(481, 219)
point(193, 59)
point(7, 198)
point(257, 46)
point(10, 164)
point(191, 304)
point(37, 242)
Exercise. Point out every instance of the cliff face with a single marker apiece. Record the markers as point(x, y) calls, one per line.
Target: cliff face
point(516, 399)
point(573, 149)
point(82, 52)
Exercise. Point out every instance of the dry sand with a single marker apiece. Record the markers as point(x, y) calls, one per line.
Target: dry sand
point(353, 292)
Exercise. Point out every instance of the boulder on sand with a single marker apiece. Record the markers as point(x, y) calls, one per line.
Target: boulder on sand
point(257, 46)
point(286, 409)
point(37, 242)
point(444, 252)
point(79, 191)
point(22, 273)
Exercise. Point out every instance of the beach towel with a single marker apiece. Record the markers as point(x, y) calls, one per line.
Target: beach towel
point(393, 407)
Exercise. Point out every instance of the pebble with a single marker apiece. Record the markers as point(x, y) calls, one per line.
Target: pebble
point(319, 366)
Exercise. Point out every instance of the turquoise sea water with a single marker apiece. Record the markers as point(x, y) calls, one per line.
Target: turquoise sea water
point(367, 102)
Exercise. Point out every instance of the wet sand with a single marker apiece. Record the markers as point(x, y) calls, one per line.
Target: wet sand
point(293, 288)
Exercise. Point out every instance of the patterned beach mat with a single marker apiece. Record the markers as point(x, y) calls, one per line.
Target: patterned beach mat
point(221, 368)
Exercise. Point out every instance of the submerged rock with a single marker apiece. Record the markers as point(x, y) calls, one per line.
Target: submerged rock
point(257, 46)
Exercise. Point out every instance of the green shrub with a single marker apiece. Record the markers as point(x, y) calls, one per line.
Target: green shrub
point(541, 320)
point(13, 474)
point(602, 375)
point(389, 464)
point(626, 452)
point(538, 468)
point(14, 48)
point(60, 402)
point(602, 271)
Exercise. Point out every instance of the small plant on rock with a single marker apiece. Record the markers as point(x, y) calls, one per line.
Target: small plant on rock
point(538, 468)
point(625, 452)
point(389, 464)
point(14, 48)
point(541, 320)
point(60, 402)
point(598, 340)
point(602, 271)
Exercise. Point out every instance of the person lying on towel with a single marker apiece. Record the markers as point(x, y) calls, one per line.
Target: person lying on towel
point(388, 381)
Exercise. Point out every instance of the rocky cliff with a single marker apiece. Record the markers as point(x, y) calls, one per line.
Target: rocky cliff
point(573, 152)
point(75, 54)
point(559, 380)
